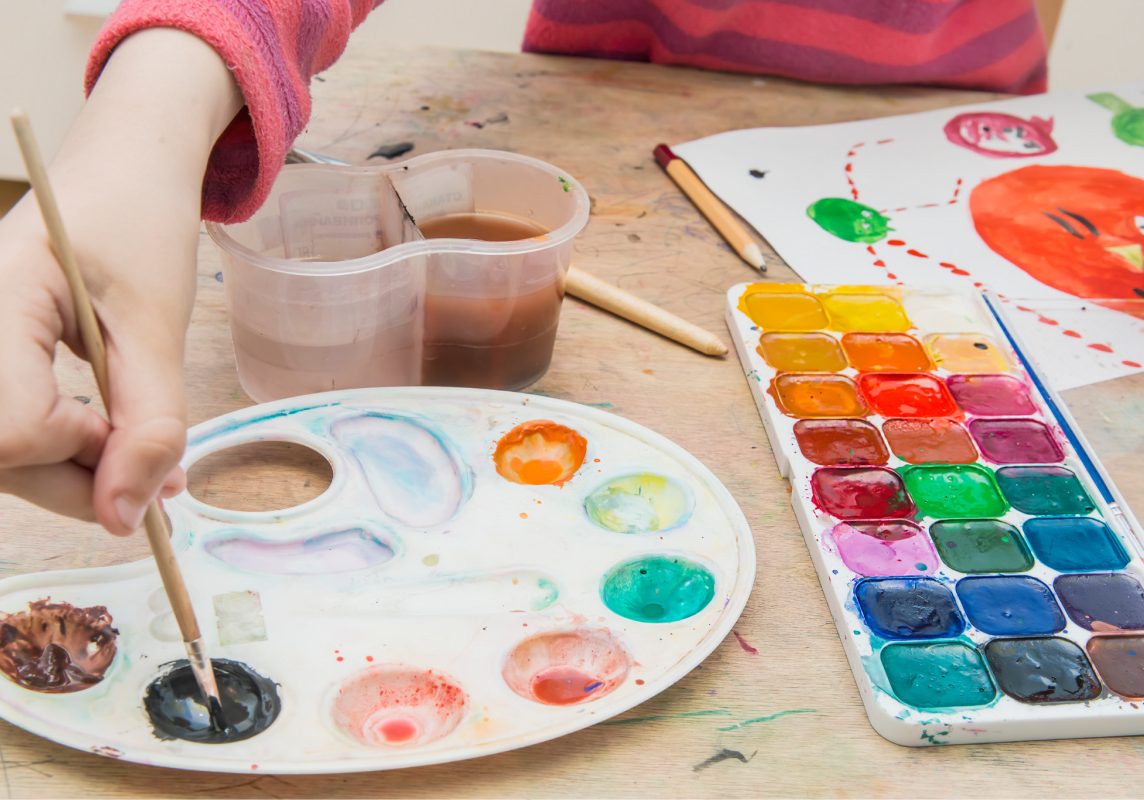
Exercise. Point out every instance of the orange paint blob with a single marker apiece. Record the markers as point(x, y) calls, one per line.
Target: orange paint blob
point(524, 515)
point(801, 352)
point(540, 452)
point(926, 441)
point(966, 352)
point(879, 352)
point(1072, 228)
point(810, 395)
point(563, 686)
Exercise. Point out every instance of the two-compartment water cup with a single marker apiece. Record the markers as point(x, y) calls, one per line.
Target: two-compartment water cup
point(447, 269)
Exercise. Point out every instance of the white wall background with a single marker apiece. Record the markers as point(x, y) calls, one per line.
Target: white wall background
point(43, 44)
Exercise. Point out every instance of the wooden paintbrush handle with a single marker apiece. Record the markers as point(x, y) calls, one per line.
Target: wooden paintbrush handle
point(602, 294)
point(92, 336)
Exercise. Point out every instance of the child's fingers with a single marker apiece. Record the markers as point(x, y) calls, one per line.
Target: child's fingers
point(63, 488)
point(149, 430)
point(37, 425)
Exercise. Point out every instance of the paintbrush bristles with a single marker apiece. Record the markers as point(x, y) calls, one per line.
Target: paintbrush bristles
point(89, 331)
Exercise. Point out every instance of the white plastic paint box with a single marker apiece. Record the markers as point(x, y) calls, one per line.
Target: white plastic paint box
point(332, 283)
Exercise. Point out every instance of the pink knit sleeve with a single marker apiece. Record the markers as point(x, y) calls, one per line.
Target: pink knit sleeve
point(274, 48)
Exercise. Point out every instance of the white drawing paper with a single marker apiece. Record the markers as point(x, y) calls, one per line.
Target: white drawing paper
point(1054, 182)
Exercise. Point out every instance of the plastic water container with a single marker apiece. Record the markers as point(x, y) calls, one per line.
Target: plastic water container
point(333, 285)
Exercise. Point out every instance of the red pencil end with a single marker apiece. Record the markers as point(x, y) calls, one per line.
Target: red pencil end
point(663, 155)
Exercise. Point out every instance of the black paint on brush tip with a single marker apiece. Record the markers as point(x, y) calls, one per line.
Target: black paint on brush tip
point(249, 704)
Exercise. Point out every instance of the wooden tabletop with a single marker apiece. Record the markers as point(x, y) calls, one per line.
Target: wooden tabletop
point(804, 731)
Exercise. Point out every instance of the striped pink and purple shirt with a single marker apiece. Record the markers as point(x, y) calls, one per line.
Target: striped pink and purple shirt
point(274, 48)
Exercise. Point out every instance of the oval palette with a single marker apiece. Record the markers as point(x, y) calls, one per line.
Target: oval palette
point(486, 571)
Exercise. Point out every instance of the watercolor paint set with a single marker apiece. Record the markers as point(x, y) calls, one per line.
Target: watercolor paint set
point(486, 570)
point(980, 593)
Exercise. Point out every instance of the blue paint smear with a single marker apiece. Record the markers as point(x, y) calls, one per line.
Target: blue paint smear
point(908, 608)
point(1075, 544)
point(232, 425)
point(1010, 605)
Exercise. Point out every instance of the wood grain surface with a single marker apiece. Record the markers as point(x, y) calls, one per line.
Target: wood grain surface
point(784, 721)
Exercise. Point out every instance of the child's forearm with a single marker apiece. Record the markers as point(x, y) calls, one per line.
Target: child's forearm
point(162, 100)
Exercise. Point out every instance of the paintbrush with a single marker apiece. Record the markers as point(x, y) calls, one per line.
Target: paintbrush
point(1064, 418)
point(154, 521)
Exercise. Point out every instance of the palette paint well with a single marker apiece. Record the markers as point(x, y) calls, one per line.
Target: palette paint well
point(487, 570)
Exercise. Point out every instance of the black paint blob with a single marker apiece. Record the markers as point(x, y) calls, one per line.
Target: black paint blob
point(250, 704)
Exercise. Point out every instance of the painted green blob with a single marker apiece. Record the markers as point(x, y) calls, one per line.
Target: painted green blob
point(1127, 122)
point(849, 220)
point(658, 589)
point(551, 593)
point(639, 503)
point(954, 490)
point(1044, 490)
point(981, 545)
point(936, 675)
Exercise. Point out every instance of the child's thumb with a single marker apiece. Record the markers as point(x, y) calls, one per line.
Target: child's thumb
point(149, 430)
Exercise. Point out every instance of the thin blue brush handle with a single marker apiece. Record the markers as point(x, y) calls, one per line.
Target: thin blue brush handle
point(1049, 397)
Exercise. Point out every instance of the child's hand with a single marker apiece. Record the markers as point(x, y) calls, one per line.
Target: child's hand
point(128, 180)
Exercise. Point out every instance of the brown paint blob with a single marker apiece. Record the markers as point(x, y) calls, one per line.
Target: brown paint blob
point(1119, 660)
point(55, 647)
point(831, 442)
point(540, 452)
point(880, 352)
point(930, 441)
point(810, 395)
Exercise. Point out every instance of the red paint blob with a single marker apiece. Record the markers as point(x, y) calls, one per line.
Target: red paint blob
point(860, 493)
point(833, 442)
point(895, 242)
point(907, 395)
point(1133, 364)
point(398, 730)
point(563, 686)
point(1101, 347)
point(639, 681)
point(1072, 333)
point(917, 254)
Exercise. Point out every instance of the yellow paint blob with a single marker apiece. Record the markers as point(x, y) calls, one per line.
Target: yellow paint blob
point(967, 353)
point(785, 312)
point(864, 312)
point(802, 352)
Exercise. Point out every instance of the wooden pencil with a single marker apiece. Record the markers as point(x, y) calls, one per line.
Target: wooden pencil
point(154, 521)
point(609, 297)
point(710, 206)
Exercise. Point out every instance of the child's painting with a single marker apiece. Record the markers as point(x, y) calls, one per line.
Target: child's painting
point(1040, 199)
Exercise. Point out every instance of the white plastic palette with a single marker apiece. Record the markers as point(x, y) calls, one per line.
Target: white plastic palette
point(977, 590)
point(421, 575)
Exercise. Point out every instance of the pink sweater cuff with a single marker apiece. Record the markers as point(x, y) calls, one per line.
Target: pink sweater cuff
point(273, 49)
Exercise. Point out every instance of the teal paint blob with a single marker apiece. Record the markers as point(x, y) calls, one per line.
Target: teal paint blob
point(1044, 490)
point(1075, 544)
point(936, 675)
point(849, 220)
point(658, 589)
